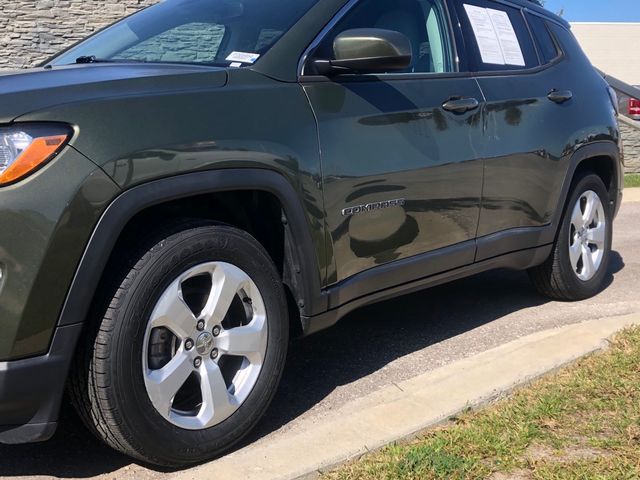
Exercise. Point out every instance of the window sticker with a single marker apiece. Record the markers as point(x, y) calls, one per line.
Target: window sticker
point(486, 36)
point(235, 65)
point(243, 57)
point(495, 35)
point(509, 43)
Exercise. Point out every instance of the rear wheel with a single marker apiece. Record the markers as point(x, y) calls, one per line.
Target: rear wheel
point(578, 264)
point(190, 350)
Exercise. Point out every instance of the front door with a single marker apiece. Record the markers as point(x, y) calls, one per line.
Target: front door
point(401, 168)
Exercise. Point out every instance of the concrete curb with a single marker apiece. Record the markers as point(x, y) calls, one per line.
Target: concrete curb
point(631, 195)
point(404, 409)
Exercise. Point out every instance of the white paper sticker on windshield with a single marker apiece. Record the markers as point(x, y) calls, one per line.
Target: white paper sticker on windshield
point(496, 37)
point(243, 57)
point(509, 43)
point(235, 65)
point(485, 33)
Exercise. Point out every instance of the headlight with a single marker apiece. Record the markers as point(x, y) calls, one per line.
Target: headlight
point(25, 148)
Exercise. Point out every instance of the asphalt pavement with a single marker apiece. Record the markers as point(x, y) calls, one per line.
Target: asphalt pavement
point(373, 348)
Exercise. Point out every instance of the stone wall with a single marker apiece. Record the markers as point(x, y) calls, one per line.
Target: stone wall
point(631, 138)
point(32, 30)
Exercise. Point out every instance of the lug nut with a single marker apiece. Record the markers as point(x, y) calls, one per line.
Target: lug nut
point(201, 325)
point(197, 362)
point(214, 354)
point(216, 331)
point(188, 344)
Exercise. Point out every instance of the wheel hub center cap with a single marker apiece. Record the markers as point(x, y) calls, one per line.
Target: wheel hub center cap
point(204, 343)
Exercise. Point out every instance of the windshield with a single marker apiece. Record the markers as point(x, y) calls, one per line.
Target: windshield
point(207, 32)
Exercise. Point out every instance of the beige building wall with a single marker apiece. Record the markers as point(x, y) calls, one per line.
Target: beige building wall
point(612, 47)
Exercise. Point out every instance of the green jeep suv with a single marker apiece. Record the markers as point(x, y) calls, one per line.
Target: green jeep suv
point(187, 189)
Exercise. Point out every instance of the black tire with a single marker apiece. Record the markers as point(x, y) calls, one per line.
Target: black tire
point(107, 384)
point(556, 277)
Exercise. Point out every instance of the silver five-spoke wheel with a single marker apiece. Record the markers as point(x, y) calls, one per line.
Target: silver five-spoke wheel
point(204, 345)
point(587, 235)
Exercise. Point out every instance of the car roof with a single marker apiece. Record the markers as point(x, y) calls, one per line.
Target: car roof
point(534, 7)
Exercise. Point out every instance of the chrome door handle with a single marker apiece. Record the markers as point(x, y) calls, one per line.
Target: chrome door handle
point(560, 96)
point(460, 105)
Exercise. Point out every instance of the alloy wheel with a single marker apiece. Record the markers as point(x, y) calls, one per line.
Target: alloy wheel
point(587, 236)
point(204, 345)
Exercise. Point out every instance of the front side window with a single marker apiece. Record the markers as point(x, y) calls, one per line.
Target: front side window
point(424, 22)
point(496, 36)
point(208, 32)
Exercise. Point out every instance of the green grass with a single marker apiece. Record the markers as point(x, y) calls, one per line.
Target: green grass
point(631, 181)
point(580, 423)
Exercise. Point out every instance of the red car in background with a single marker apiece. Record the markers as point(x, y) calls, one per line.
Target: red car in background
point(630, 106)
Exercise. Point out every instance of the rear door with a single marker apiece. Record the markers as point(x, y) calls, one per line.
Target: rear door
point(527, 124)
point(401, 173)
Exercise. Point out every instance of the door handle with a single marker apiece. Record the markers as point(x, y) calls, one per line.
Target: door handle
point(460, 105)
point(560, 96)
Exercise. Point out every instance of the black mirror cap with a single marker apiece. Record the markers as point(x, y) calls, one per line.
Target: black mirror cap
point(368, 50)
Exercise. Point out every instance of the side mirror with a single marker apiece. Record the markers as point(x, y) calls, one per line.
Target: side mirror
point(367, 50)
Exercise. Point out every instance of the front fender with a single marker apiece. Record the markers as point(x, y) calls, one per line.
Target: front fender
point(147, 195)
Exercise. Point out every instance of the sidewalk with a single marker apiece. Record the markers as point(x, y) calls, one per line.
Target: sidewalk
point(631, 195)
point(401, 410)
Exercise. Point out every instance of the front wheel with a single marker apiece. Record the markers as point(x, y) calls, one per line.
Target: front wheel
point(579, 262)
point(189, 352)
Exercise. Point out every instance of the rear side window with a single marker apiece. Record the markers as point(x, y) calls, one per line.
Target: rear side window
point(496, 36)
point(546, 46)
